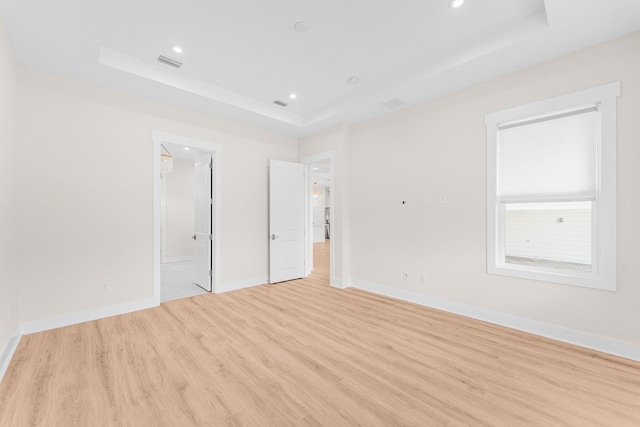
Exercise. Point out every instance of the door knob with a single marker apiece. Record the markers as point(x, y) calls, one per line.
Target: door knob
point(274, 237)
point(193, 237)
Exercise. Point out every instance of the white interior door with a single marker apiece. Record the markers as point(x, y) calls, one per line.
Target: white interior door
point(286, 221)
point(203, 224)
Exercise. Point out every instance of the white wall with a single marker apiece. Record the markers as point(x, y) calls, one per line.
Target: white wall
point(180, 211)
point(439, 148)
point(85, 193)
point(8, 232)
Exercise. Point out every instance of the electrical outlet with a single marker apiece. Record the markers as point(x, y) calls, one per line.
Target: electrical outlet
point(423, 201)
point(405, 276)
point(105, 287)
point(443, 199)
point(423, 278)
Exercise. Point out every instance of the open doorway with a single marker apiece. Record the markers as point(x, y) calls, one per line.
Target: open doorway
point(320, 220)
point(186, 216)
point(177, 226)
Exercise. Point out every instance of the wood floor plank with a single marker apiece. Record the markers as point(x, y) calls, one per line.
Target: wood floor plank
point(302, 353)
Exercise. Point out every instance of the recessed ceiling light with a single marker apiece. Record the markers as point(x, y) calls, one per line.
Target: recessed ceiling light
point(293, 96)
point(186, 148)
point(454, 4)
point(177, 49)
point(353, 80)
point(300, 27)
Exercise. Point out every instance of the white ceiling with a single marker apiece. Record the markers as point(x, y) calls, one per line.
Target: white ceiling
point(241, 55)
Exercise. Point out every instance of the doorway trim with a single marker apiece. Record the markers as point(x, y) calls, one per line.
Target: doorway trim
point(308, 160)
point(215, 149)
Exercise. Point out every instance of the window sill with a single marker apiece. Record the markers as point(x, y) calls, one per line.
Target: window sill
point(573, 278)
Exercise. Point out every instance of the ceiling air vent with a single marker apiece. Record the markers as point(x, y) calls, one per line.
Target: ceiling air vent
point(393, 103)
point(280, 103)
point(168, 61)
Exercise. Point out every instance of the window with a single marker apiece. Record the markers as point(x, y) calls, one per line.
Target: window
point(551, 189)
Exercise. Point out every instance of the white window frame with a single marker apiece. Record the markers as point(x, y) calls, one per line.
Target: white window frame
point(603, 274)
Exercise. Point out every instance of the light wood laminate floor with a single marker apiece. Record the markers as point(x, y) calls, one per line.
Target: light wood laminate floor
point(301, 353)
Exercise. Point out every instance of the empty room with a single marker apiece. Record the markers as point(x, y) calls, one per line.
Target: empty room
point(303, 213)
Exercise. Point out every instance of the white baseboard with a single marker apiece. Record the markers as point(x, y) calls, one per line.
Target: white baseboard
point(86, 316)
point(242, 284)
point(340, 284)
point(559, 333)
point(9, 350)
point(168, 260)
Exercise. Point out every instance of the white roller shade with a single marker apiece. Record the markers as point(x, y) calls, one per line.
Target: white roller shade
point(551, 158)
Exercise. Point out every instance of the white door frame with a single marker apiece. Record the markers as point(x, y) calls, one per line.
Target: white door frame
point(307, 160)
point(216, 152)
